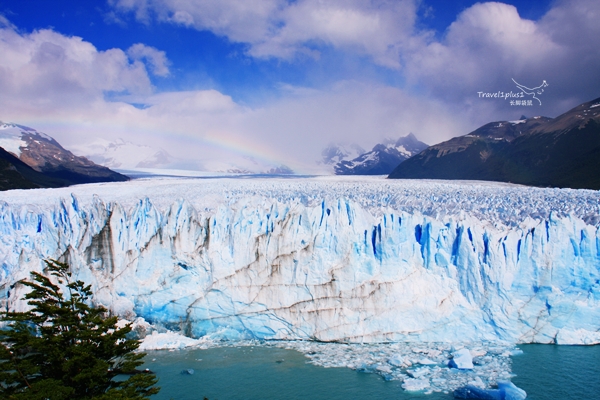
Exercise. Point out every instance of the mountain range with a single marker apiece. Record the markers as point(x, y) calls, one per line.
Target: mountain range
point(539, 151)
point(32, 159)
point(140, 159)
point(336, 152)
point(125, 155)
point(381, 160)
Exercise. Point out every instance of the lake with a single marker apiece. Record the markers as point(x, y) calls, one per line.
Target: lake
point(546, 372)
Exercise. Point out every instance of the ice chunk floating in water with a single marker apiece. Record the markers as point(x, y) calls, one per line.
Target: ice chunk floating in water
point(506, 391)
point(461, 359)
point(352, 260)
point(402, 361)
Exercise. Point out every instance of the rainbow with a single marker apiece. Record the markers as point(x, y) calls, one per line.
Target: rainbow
point(217, 139)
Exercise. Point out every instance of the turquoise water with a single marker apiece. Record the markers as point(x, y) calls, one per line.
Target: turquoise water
point(545, 372)
point(548, 372)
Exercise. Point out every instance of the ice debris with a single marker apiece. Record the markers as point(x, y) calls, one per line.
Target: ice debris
point(506, 391)
point(461, 359)
point(392, 361)
point(397, 361)
point(415, 385)
point(189, 371)
point(168, 340)
point(402, 362)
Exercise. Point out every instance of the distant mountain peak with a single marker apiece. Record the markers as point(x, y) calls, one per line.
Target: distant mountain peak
point(124, 154)
point(43, 162)
point(336, 152)
point(382, 158)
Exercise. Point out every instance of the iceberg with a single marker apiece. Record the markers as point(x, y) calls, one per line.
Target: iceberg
point(355, 260)
point(461, 359)
point(188, 371)
point(168, 340)
point(397, 360)
point(415, 385)
point(375, 358)
point(506, 391)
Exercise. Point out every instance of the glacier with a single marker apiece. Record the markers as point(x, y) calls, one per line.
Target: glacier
point(330, 259)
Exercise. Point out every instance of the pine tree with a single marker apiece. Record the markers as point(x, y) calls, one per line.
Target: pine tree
point(64, 348)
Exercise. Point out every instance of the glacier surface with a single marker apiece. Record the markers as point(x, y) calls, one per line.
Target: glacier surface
point(354, 260)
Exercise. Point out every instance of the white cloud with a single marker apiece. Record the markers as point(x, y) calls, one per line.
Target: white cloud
point(56, 84)
point(159, 64)
point(293, 129)
point(303, 124)
point(45, 67)
point(5, 23)
point(46, 76)
point(573, 26)
point(487, 45)
point(49, 80)
point(490, 43)
point(241, 21)
point(276, 28)
point(191, 103)
point(375, 28)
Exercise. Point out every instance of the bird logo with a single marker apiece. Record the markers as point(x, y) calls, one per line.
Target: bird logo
point(532, 91)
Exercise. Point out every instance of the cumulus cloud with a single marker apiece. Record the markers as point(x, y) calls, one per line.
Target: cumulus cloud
point(241, 21)
point(47, 76)
point(375, 28)
point(573, 26)
point(487, 45)
point(490, 43)
point(58, 84)
point(45, 66)
point(282, 29)
point(157, 60)
point(45, 73)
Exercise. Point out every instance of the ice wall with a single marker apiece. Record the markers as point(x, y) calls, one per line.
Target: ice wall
point(268, 263)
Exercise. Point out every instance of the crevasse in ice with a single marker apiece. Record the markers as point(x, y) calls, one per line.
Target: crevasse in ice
point(323, 259)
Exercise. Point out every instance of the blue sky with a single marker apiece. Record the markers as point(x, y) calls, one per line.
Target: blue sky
point(278, 80)
point(200, 59)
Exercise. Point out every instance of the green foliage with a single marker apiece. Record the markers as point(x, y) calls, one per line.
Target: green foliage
point(63, 348)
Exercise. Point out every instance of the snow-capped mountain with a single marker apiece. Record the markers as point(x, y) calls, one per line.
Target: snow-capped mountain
point(540, 151)
point(383, 158)
point(136, 158)
point(125, 155)
point(336, 152)
point(350, 259)
point(55, 166)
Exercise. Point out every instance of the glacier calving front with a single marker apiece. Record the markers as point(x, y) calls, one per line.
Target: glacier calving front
point(330, 259)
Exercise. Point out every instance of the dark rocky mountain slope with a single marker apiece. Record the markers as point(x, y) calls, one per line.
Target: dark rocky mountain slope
point(557, 152)
point(33, 159)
